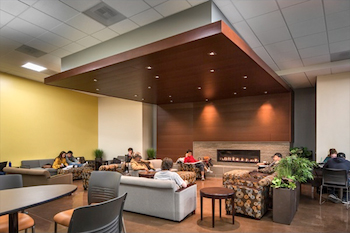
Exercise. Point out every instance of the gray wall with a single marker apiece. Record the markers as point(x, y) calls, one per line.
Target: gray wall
point(305, 118)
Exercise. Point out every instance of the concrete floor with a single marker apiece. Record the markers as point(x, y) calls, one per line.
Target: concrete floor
point(310, 217)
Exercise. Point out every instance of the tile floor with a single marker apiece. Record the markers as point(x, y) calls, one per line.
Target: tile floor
point(310, 217)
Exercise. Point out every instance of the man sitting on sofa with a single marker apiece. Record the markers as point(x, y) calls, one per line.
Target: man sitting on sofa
point(139, 164)
point(166, 174)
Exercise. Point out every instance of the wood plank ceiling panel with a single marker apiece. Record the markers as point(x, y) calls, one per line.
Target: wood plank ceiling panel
point(182, 70)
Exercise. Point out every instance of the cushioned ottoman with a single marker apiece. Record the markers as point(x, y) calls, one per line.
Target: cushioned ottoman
point(76, 172)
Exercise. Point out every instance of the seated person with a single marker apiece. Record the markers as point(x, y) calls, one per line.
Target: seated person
point(139, 164)
point(270, 166)
point(60, 161)
point(190, 159)
point(338, 163)
point(332, 154)
point(129, 155)
point(166, 174)
point(71, 160)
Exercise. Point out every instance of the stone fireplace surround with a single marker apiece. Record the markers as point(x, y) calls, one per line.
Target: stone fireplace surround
point(209, 148)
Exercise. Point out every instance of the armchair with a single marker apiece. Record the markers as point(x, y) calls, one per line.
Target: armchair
point(251, 192)
point(190, 167)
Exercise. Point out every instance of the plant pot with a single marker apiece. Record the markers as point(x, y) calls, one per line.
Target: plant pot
point(298, 190)
point(284, 205)
point(98, 163)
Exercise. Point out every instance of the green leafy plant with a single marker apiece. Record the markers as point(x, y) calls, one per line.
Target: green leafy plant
point(292, 169)
point(301, 152)
point(151, 153)
point(98, 153)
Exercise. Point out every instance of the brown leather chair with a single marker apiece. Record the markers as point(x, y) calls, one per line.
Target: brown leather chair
point(24, 220)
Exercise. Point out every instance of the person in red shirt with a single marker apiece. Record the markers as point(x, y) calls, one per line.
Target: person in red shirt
point(190, 159)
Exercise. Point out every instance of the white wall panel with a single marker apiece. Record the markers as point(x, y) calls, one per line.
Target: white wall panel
point(333, 114)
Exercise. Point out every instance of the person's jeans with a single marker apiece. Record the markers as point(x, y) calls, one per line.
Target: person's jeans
point(76, 164)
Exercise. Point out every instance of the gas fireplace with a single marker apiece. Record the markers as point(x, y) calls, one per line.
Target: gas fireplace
point(241, 156)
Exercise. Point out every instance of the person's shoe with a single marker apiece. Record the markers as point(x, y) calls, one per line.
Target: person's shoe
point(203, 179)
point(334, 198)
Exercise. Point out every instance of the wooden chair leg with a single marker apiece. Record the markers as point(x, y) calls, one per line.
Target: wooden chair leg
point(55, 227)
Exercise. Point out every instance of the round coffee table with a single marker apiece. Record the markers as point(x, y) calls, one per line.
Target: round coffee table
point(147, 174)
point(217, 193)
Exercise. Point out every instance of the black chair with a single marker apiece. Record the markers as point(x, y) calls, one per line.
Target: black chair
point(24, 220)
point(335, 178)
point(103, 186)
point(102, 217)
point(317, 181)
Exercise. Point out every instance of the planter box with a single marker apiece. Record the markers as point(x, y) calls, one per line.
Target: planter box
point(284, 205)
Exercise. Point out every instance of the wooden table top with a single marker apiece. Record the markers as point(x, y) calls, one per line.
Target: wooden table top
point(14, 200)
point(216, 192)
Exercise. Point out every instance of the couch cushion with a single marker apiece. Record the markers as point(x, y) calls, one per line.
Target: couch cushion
point(42, 162)
point(140, 181)
point(30, 163)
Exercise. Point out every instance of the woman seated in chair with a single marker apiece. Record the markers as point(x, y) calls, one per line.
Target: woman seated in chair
point(166, 174)
point(139, 164)
point(190, 159)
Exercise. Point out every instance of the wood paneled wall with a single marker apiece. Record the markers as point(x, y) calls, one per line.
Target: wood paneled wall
point(254, 118)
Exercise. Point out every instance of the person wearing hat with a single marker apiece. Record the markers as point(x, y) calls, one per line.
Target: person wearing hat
point(139, 164)
point(269, 167)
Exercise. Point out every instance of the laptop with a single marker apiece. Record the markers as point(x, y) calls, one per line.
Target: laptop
point(2, 165)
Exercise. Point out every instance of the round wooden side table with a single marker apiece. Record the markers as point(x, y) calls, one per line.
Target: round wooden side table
point(217, 193)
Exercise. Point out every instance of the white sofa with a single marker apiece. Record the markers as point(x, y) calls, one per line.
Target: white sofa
point(158, 198)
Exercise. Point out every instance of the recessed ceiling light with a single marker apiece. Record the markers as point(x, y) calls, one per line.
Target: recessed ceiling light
point(199, 88)
point(34, 67)
point(265, 92)
point(212, 53)
point(135, 95)
point(212, 71)
point(156, 76)
point(235, 93)
point(149, 67)
point(206, 100)
point(244, 88)
point(171, 101)
point(245, 76)
point(143, 99)
point(169, 96)
point(95, 80)
point(97, 89)
point(149, 87)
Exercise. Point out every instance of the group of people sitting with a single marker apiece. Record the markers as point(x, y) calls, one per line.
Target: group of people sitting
point(66, 159)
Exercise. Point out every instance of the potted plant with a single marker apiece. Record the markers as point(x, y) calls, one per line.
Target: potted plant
point(290, 172)
point(98, 158)
point(301, 152)
point(151, 153)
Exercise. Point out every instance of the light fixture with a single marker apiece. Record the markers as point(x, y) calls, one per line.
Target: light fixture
point(95, 80)
point(171, 101)
point(199, 88)
point(149, 67)
point(143, 99)
point(149, 87)
point(265, 92)
point(235, 93)
point(212, 53)
point(169, 96)
point(97, 89)
point(212, 71)
point(157, 77)
point(245, 76)
point(206, 100)
point(34, 67)
point(135, 95)
point(244, 88)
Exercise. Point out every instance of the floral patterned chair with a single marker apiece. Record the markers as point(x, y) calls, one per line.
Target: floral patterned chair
point(251, 192)
point(112, 167)
point(190, 167)
point(77, 172)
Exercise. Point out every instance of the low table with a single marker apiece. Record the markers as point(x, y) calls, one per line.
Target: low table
point(217, 193)
point(147, 174)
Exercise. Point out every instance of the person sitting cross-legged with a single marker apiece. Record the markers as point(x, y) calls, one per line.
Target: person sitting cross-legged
point(166, 174)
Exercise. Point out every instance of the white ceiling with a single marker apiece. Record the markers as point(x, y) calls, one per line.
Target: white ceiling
point(296, 38)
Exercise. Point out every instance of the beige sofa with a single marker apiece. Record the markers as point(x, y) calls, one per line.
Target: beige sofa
point(32, 177)
point(158, 198)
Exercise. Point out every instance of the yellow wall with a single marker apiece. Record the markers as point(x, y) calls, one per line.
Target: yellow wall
point(38, 121)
